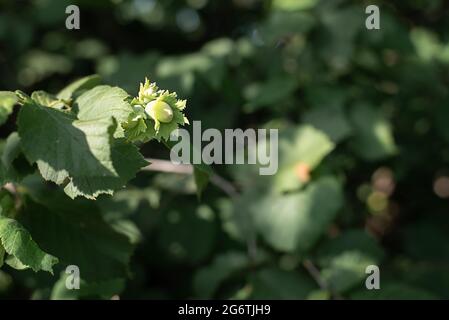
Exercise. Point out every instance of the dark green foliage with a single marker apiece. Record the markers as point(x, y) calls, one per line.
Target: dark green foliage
point(363, 119)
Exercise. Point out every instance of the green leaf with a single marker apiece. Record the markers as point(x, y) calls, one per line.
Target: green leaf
point(79, 86)
point(136, 128)
point(127, 202)
point(373, 139)
point(292, 5)
point(13, 164)
point(273, 283)
point(7, 204)
point(336, 43)
point(336, 129)
point(296, 221)
point(75, 232)
point(208, 279)
point(302, 146)
point(182, 72)
point(55, 140)
point(319, 95)
point(188, 233)
point(306, 145)
point(104, 102)
point(9, 151)
point(46, 99)
point(394, 291)
point(428, 276)
point(15, 263)
point(319, 295)
point(175, 183)
point(128, 228)
point(282, 23)
point(125, 69)
point(428, 46)
point(2, 255)
point(270, 93)
point(17, 241)
point(201, 175)
point(127, 162)
point(82, 151)
point(103, 289)
point(343, 260)
point(7, 101)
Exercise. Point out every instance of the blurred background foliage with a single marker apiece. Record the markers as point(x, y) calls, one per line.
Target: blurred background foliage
point(364, 130)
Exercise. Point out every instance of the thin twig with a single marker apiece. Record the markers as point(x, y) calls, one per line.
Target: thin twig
point(10, 187)
point(167, 166)
point(316, 275)
point(224, 185)
point(187, 169)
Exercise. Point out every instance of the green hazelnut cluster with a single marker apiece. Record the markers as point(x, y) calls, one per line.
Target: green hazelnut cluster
point(156, 113)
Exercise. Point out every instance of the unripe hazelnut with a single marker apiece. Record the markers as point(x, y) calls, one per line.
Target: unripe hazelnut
point(160, 111)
